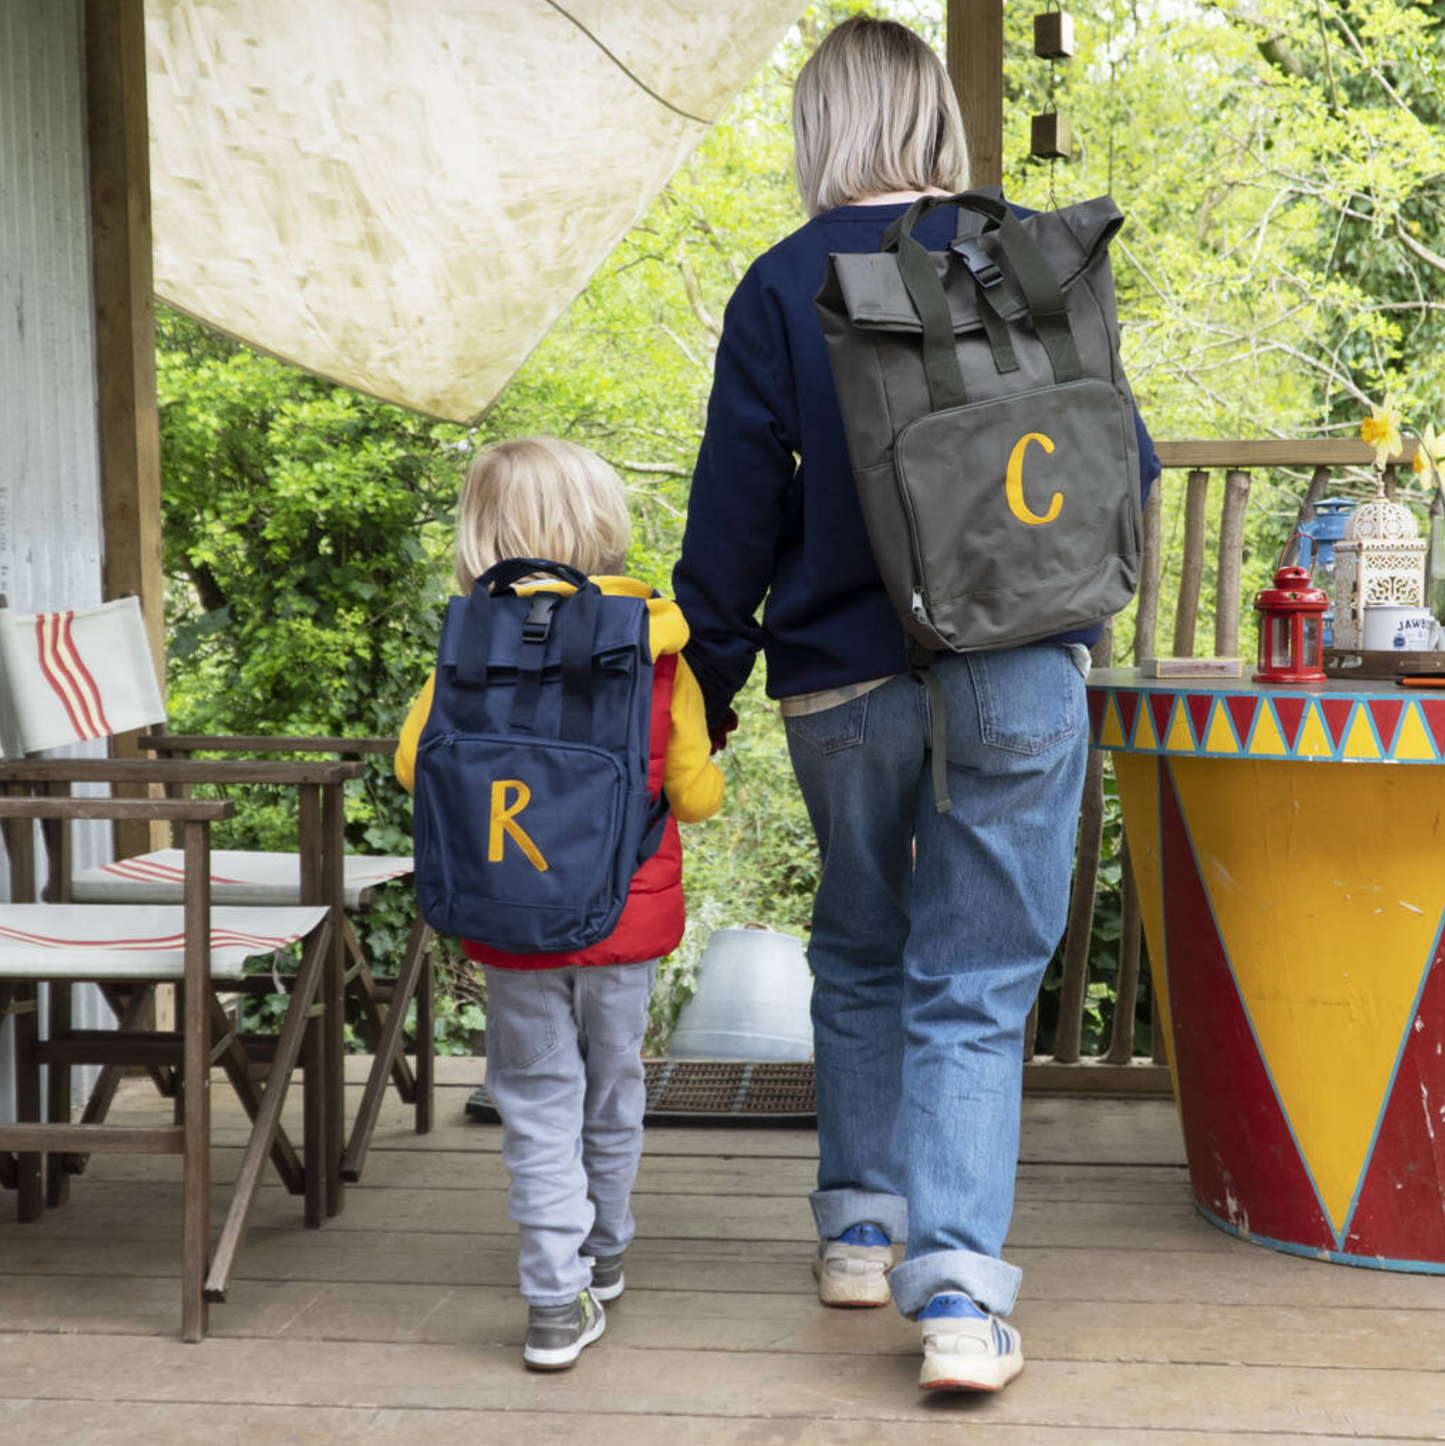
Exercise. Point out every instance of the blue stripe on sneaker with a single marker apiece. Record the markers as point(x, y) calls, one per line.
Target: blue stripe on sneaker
point(863, 1235)
point(951, 1305)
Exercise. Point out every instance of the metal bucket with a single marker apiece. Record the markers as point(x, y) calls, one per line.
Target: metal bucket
point(753, 993)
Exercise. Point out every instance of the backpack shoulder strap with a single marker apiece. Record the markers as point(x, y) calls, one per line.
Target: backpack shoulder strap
point(579, 628)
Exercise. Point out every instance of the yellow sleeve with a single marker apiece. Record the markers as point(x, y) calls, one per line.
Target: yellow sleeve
point(405, 761)
point(693, 783)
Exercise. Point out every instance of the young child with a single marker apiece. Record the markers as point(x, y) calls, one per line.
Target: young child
point(564, 1031)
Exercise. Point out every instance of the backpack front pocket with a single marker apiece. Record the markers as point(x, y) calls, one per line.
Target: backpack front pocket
point(1024, 513)
point(521, 855)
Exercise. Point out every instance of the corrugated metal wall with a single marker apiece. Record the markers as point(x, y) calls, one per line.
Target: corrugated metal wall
point(50, 527)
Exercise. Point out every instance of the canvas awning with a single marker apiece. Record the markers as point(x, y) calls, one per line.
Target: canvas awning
point(403, 195)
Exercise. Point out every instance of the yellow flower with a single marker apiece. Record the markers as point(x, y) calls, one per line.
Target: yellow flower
point(1381, 430)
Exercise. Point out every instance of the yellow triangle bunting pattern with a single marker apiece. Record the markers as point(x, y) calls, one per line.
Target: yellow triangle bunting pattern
point(1360, 740)
point(1219, 737)
point(1145, 738)
point(1314, 738)
point(1267, 741)
point(1180, 739)
point(1112, 733)
point(1412, 742)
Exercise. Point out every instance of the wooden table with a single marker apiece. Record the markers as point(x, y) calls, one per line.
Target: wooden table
point(1289, 847)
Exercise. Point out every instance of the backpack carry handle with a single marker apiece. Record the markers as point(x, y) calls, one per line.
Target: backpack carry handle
point(475, 642)
point(1031, 269)
point(502, 575)
point(985, 202)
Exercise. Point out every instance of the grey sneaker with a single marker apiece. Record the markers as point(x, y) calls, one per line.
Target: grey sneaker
point(607, 1280)
point(851, 1270)
point(556, 1334)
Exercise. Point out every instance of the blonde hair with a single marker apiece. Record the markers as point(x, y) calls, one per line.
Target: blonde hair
point(874, 112)
point(541, 497)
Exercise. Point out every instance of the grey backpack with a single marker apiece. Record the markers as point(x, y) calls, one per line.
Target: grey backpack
point(989, 424)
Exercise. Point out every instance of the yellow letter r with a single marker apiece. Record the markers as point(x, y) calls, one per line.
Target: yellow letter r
point(504, 821)
point(1014, 482)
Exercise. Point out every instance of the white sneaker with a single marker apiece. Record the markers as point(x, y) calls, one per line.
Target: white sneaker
point(852, 1269)
point(965, 1348)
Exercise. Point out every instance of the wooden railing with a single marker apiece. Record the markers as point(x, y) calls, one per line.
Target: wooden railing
point(1314, 465)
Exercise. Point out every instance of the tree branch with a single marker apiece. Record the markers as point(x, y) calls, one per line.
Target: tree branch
point(1429, 257)
point(660, 469)
point(699, 308)
point(681, 345)
point(1274, 47)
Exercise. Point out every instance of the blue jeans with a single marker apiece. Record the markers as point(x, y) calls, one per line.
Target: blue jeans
point(925, 965)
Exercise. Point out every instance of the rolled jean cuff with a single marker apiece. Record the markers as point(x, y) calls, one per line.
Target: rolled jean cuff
point(988, 1282)
point(835, 1210)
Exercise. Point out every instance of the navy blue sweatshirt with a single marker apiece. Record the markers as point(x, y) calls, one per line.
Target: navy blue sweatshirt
point(773, 511)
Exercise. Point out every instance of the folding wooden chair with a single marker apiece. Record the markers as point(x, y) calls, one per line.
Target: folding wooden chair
point(87, 674)
point(197, 947)
point(255, 876)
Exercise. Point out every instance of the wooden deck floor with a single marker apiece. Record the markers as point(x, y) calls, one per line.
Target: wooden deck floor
point(400, 1319)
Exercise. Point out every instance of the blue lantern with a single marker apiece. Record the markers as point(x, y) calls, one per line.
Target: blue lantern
point(1317, 549)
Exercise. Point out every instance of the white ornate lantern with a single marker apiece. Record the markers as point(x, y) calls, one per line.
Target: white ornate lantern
point(1380, 559)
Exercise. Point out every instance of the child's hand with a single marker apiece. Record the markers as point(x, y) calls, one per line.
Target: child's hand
point(718, 737)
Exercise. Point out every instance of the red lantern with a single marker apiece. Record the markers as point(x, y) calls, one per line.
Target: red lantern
point(1291, 630)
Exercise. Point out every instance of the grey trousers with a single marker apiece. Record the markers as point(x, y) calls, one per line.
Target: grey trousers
point(564, 1070)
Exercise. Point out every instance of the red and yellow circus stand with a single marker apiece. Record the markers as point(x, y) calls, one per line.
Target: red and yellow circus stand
point(1289, 846)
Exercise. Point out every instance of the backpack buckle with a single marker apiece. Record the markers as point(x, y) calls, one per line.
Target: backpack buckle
point(983, 268)
point(537, 626)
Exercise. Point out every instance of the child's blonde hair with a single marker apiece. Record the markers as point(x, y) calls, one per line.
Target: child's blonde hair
point(541, 497)
point(874, 112)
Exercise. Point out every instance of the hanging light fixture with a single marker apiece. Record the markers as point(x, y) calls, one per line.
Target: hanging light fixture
point(1051, 135)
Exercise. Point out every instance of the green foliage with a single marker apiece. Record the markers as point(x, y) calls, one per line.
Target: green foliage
point(302, 598)
point(1282, 167)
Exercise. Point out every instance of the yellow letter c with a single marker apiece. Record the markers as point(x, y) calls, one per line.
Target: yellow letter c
point(1014, 483)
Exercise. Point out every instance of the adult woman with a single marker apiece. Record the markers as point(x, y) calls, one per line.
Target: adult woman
point(924, 970)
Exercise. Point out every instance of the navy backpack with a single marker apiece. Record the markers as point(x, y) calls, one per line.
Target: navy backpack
point(532, 809)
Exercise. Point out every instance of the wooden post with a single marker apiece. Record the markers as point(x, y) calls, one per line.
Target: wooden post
point(1191, 569)
point(117, 141)
point(196, 1082)
point(1319, 481)
point(1231, 564)
point(1146, 614)
point(333, 991)
point(975, 65)
point(1146, 628)
point(1074, 985)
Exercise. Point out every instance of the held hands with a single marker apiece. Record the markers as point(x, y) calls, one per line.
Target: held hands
point(718, 736)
